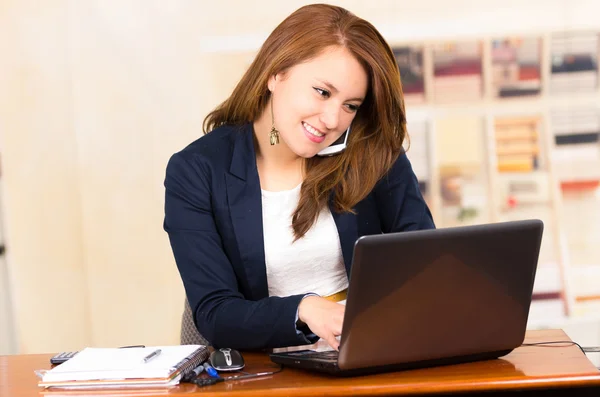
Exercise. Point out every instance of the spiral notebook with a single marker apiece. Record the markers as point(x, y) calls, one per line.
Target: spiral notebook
point(133, 367)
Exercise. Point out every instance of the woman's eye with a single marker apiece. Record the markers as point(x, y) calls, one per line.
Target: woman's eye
point(353, 108)
point(322, 92)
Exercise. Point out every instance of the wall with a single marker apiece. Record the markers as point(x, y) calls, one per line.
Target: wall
point(7, 342)
point(40, 171)
point(95, 96)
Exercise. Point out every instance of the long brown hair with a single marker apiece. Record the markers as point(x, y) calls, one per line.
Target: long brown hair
point(378, 129)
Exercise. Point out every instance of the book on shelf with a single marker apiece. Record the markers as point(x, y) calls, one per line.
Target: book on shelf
point(156, 366)
point(574, 62)
point(410, 63)
point(457, 71)
point(516, 66)
point(517, 144)
point(523, 188)
point(576, 149)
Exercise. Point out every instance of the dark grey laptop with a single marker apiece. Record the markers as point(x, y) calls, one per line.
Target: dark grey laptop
point(433, 297)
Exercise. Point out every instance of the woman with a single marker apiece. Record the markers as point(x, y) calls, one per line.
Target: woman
point(262, 227)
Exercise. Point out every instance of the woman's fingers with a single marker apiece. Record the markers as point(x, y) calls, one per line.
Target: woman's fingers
point(332, 341)
point(324, 318)
point(336, 331)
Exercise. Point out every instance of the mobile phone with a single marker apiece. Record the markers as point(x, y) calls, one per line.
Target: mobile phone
point(336, 147)
point(62, 357)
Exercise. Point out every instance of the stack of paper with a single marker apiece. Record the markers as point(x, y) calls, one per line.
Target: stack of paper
point(130, 367)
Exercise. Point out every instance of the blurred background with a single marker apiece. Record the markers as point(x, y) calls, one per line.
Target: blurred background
point(503, 110)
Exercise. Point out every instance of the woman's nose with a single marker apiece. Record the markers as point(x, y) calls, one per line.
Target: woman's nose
point(330, 117)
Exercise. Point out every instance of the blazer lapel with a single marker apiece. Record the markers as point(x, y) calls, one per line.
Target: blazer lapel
point(348, 233)
point(245, 206)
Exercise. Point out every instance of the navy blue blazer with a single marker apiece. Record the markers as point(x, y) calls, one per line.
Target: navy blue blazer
point(213, 217)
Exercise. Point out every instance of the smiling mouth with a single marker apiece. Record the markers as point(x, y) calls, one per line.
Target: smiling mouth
point(312, 130)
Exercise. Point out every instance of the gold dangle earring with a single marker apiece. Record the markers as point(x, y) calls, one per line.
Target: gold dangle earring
point(274, 134)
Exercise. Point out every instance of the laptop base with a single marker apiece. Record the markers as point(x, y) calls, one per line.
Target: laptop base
point(303, 360)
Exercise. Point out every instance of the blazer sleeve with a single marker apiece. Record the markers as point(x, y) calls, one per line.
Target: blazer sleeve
point(399, 200)
point(221, 313)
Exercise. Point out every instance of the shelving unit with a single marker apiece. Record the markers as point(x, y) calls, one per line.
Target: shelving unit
point(525, 146)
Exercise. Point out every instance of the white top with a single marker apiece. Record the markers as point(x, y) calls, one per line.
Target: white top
point(313, 263)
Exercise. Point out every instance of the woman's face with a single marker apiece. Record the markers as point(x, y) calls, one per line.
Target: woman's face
point(314, 102)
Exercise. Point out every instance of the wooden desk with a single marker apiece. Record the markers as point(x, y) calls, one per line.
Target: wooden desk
point(550, 371)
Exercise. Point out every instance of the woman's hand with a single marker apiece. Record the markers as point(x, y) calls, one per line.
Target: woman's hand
point(323, 317)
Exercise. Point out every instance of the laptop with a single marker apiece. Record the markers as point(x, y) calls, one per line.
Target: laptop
point(432, 297)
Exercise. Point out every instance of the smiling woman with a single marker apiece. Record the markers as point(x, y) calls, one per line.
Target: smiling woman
point(319, 98)
point(262, 228)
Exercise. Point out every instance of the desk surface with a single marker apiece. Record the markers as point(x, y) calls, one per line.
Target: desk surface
point(527, 367)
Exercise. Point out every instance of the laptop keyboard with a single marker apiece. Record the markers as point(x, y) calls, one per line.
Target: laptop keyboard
point(327, 355)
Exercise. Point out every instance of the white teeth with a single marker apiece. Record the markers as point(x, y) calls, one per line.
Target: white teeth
point(310, 129)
